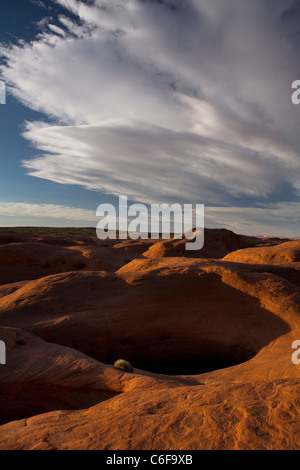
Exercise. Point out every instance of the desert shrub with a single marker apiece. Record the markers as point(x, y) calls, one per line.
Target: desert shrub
point(20, 340)
point(78, 415)
point(213, 382)
point(121, 364)
point(126, 261)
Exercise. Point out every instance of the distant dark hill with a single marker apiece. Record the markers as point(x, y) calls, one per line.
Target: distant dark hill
point(217, 243)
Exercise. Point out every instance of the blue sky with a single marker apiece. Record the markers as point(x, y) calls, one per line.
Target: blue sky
point(162, 101)
point(21, 21)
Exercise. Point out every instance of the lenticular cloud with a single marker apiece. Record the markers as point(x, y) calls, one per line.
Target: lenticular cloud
point(163, 100)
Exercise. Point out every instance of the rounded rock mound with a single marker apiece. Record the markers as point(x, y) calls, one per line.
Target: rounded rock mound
point(279, 254)
point(217, 243)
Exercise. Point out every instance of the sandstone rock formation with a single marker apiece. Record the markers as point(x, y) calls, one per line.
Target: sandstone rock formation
point(262, 415)
point(24, 257)
point(217, 243)
point(288, 252)
point(209, 339)
point(41, 376)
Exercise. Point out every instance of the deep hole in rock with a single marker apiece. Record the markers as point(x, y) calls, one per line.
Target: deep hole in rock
point(187, 325)
point(201, 359)
point(188, 366)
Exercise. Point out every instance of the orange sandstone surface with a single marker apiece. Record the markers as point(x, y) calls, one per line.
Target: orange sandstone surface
point(209, 335)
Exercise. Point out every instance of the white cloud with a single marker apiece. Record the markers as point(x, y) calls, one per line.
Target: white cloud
point(248, 220)
point(39, 3)
point(269, 219)
point(21, 209)
point(57, 29)
point(164, 100)
point(146, 162)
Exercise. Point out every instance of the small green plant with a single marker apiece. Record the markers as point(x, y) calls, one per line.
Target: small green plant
point(213, 382)
point(123, 365)
point(20, 340)
point(78, 415)
point(104, 245)
point(126, 261)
